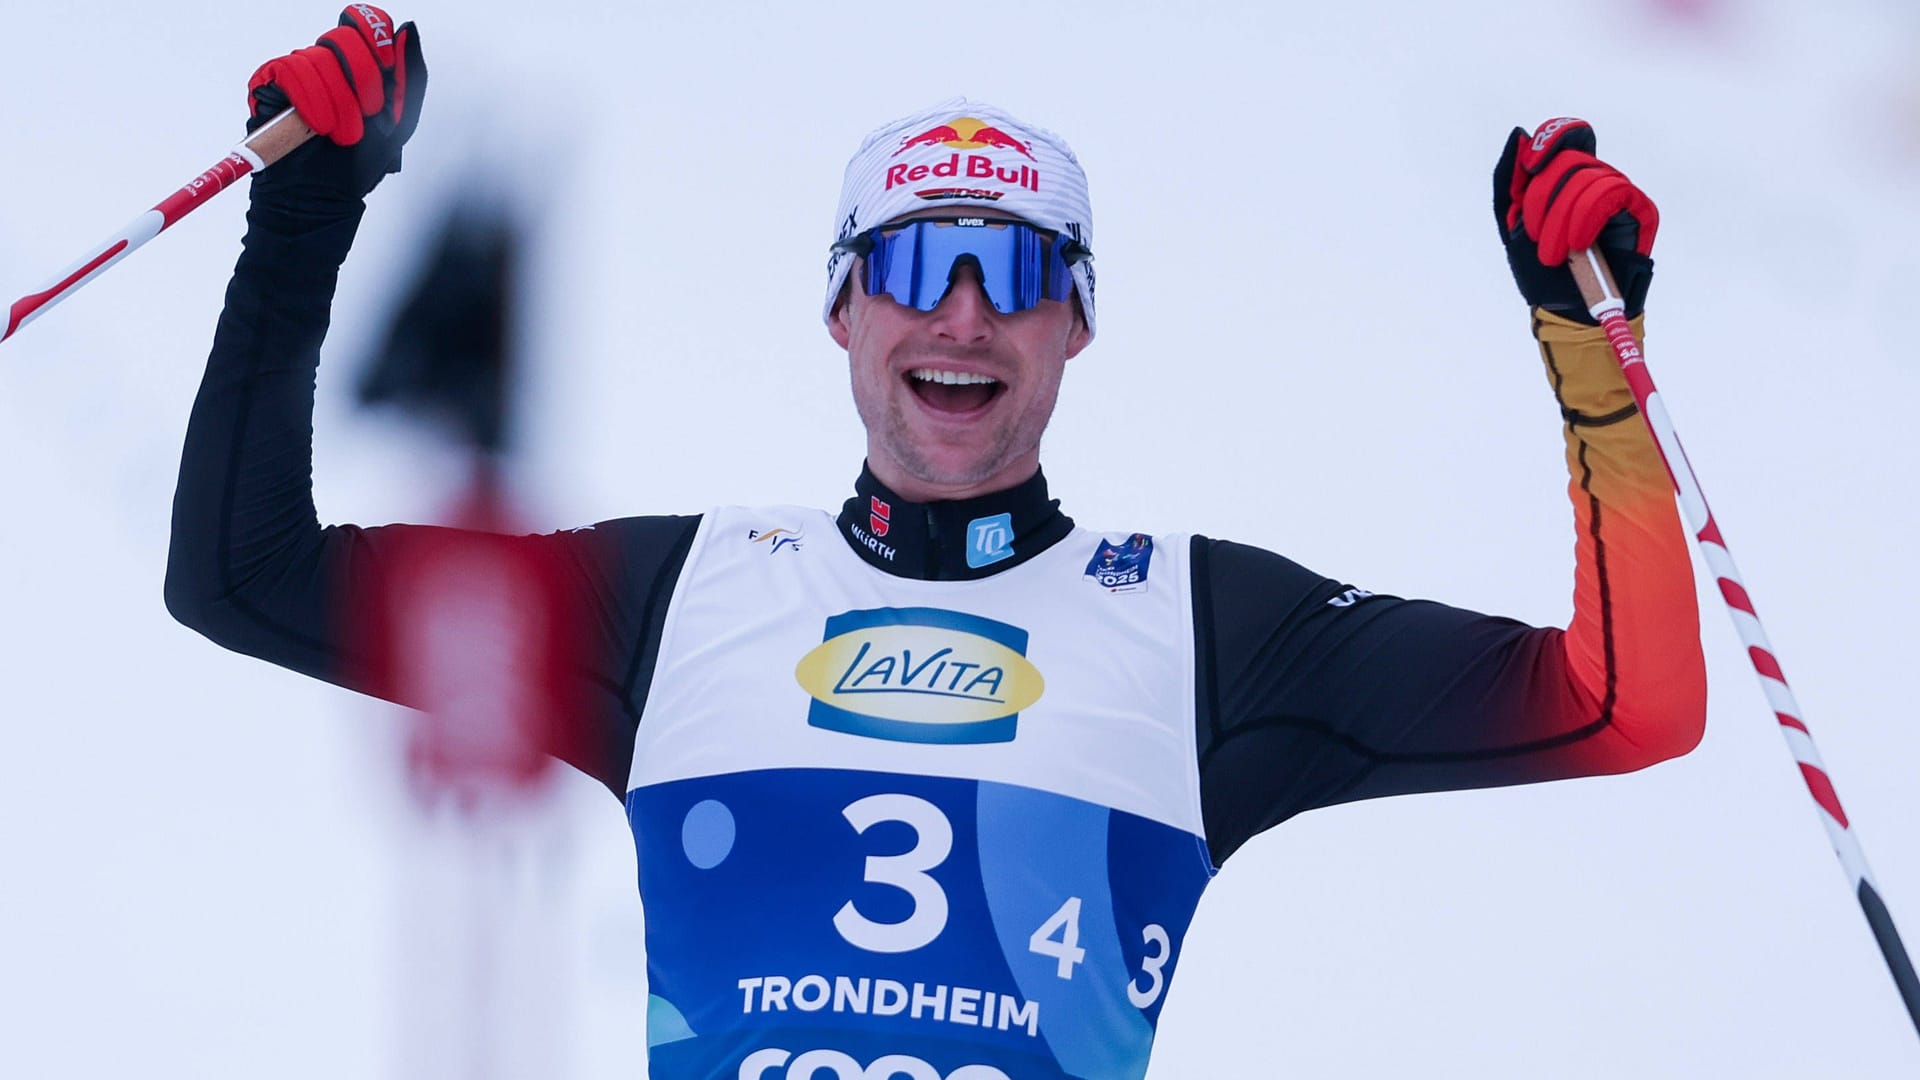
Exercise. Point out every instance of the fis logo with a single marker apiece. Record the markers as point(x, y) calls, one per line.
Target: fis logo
point(923, 675)
point(774, 541)
point(1122, 567)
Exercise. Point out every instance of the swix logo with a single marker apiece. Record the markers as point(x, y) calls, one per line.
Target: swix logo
point(966, 133)
point(834, 1065)
point(879, 515)
point(1620, 335)
point(376, 24)
point(1549, 129)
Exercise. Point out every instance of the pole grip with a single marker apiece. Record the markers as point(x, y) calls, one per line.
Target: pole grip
point(277, 138)
point(1597, 286)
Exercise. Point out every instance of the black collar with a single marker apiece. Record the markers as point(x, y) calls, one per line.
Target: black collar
point(951, 541)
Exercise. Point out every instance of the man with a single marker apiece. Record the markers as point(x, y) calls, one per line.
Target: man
point(929, 788)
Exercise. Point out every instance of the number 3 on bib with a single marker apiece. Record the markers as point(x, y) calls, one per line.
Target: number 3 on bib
point(1156, 936)
point(933, 842)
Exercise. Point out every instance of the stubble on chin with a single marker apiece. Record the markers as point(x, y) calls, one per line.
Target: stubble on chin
point(894, 434)
point(890, 431)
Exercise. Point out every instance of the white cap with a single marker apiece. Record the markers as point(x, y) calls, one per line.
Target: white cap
point(964, 153)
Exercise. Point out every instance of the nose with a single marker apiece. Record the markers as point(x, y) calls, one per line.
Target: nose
point(965, 314)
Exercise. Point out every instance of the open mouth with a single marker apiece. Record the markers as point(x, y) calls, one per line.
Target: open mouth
point(953, 392)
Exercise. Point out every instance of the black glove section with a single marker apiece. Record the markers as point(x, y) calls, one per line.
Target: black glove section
point(1560, 160)
point(323, 178)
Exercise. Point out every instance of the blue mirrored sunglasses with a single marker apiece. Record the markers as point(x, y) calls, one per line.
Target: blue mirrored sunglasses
point(914, 261)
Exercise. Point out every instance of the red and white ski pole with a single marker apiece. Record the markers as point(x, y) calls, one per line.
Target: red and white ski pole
point(272, 141)
point(1603, 300)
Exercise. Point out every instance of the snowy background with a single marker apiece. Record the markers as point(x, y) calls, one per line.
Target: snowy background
point(1309, 341)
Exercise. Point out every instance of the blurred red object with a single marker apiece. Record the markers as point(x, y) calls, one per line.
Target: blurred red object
point(471, 629)
point(1698, 12)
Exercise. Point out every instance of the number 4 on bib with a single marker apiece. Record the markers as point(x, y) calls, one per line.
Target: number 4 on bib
point(1067, 950)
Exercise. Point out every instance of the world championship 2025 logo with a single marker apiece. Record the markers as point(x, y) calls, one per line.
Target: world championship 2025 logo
point(925, 675)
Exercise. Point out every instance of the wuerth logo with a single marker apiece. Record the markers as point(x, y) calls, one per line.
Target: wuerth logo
point(923, 675)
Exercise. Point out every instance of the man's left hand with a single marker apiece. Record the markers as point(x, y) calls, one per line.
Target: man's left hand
point(1552, 198)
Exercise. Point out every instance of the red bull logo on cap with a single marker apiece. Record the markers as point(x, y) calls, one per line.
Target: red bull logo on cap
point(965, 133)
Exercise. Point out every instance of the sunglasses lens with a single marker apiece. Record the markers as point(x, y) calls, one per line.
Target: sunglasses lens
point(916, 263)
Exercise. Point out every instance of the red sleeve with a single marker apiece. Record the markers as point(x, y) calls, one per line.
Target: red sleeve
point(1633, 645)
point(1312, 693)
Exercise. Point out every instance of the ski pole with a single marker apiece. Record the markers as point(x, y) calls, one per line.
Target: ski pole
point(1603, 300)
point(272, 141)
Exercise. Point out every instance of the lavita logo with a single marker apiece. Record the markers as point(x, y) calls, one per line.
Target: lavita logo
point(925, 675)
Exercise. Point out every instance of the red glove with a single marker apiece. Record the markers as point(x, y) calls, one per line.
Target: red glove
point(1552, 198)
point(361, 87)
point(359, 69)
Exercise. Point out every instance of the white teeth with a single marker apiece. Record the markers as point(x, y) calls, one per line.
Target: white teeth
point(951, 378)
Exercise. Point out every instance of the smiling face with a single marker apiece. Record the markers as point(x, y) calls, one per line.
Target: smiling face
point(954, 399)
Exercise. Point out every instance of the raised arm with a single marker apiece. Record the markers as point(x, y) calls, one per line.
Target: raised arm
point(1312, 693)
point(249, 565)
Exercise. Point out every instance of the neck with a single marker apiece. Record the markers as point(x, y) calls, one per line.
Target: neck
point(907, 486)
point(951, 539)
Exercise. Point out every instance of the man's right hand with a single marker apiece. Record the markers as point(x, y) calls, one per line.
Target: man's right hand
point(360, 86)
